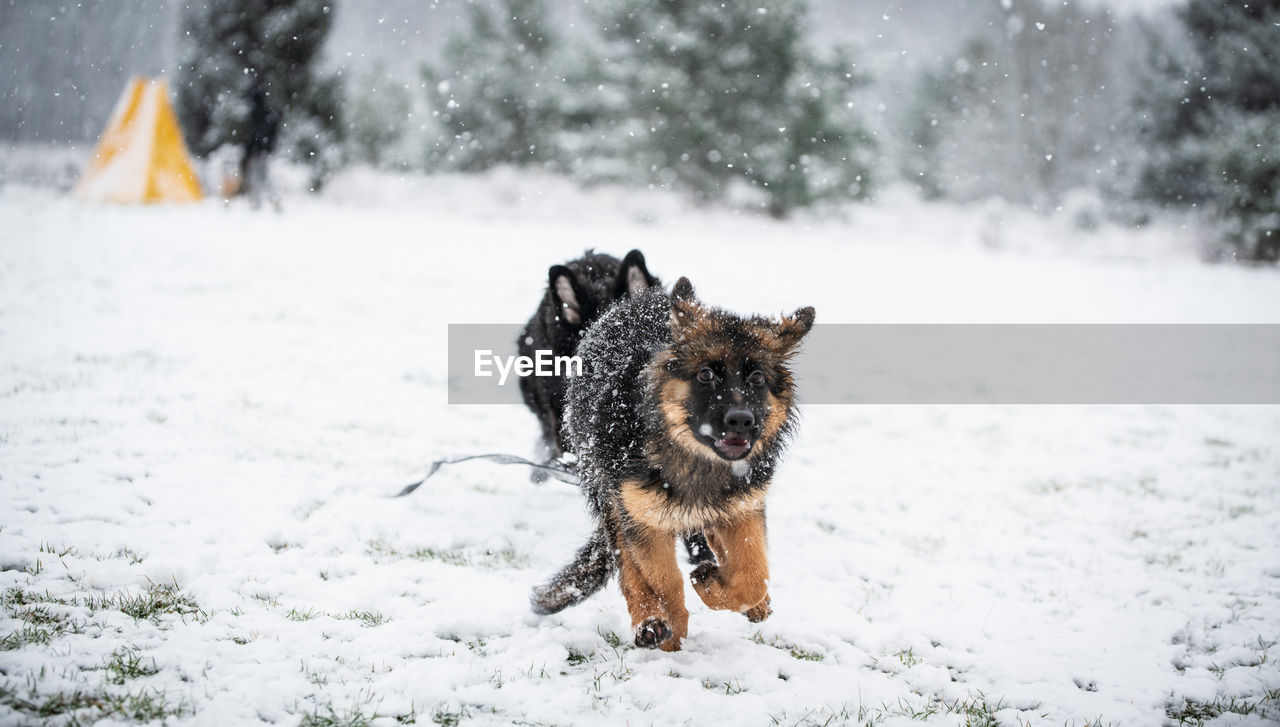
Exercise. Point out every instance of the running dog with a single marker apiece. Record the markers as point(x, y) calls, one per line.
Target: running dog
point(678, 421)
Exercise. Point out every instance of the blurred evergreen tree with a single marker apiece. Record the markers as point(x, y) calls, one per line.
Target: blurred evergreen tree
point(378, 112)
point(727, 98)
point(957, 118)
point(1028, 109)
point(494, 91)
point(1212, 121)
point(231, 47)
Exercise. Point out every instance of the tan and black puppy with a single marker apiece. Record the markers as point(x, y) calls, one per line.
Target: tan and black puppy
point(678, 421)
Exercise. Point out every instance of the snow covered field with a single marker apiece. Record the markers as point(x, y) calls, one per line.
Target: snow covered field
point(202, 411)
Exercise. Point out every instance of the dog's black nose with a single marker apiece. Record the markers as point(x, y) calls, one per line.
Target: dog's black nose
point(739, 421)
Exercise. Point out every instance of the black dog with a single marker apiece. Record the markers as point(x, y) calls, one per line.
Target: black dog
point(578, 293)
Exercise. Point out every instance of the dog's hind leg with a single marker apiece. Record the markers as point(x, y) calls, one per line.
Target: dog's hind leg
point(741, 580)
point(653, 587)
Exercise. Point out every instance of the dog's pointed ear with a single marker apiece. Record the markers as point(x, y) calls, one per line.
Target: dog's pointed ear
point(794, 327)
point(633, 276)
point(565, 294)
point(686, 312)
point(682, 291)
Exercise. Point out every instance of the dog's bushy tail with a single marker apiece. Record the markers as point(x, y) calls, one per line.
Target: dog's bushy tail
point(586, 573)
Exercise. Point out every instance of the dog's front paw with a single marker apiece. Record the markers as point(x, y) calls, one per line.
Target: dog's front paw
point(651, 633)
point(758, 612)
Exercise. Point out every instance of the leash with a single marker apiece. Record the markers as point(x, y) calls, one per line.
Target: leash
point(556, 470)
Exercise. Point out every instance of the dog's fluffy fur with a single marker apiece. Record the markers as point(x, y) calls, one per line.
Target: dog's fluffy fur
point(678, 421)
point(578, 292)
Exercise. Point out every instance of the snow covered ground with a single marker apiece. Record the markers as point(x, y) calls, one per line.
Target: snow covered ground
point(202, 411)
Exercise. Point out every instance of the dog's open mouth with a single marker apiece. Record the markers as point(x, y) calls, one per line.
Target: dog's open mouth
point(733, 446)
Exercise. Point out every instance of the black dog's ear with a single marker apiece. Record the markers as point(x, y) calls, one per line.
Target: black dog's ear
point(565, 294)
point(633, 276)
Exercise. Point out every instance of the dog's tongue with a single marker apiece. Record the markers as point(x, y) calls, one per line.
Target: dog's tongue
point(733, 445)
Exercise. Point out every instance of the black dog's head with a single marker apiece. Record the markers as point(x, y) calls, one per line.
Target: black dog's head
point(580, 290)
point(726, 381)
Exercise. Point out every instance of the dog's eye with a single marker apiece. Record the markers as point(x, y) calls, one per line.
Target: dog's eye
point(756, 378)
point(706, 375)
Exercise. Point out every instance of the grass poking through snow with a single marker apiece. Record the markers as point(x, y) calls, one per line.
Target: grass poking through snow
point(84, 706)
point(462, 557)
point(795, 651)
